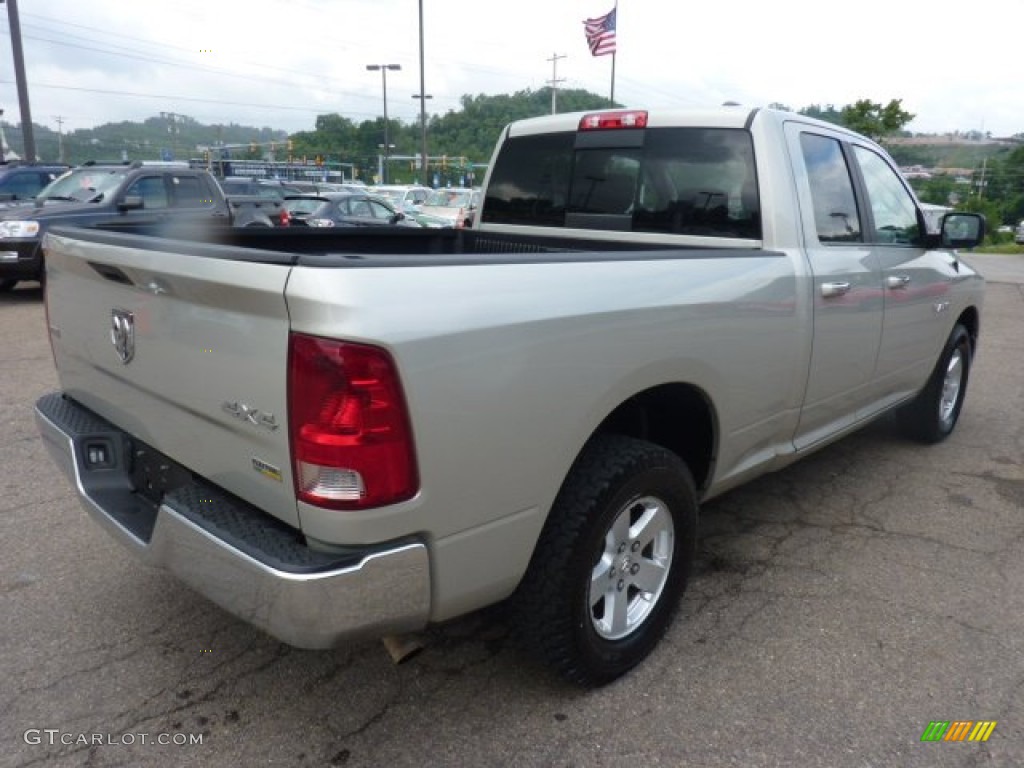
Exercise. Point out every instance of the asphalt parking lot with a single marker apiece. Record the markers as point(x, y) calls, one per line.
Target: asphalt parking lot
point(838, 608)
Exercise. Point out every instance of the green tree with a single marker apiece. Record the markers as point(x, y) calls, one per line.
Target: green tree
point(940, 189)
point(827, 113)
point(875, 120)
point(1012, 170)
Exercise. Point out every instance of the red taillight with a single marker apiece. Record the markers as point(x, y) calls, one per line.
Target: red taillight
point(351, 439)
point(603, 121)
point(286, 219)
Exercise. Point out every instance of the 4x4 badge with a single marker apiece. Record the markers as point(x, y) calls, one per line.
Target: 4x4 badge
point(122, 334)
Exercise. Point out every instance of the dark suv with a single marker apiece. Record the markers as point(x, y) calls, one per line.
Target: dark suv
point(23, 181)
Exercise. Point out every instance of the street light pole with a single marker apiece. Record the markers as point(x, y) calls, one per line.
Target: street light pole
point(384, 83)
point(423, 103)
point(424, 158)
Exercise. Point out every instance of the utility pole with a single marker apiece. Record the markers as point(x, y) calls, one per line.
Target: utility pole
point(383, 68)
point(423, 106)
point(60, 138)
point(555, 80)
point(173, 129)
point(19, 75)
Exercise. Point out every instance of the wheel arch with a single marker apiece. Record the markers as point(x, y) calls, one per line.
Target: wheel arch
point(677, 416)
point(970, 319)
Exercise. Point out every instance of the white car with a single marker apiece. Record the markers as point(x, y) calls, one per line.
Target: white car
point(454, 206)
point(1018, 236)
point(406, 198)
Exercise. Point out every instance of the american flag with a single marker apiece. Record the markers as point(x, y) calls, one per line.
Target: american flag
point(600, 33)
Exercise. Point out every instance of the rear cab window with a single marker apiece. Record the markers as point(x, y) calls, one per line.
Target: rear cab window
point(694, 181)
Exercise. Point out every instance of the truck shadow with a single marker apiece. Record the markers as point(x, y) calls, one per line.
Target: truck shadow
point(28, 292)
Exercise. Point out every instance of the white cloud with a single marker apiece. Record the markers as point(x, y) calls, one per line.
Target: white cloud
point(263, 63)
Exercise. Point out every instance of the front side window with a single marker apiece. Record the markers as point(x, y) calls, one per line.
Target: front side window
point(151, 189)
point(835, 206)
point(892, 208)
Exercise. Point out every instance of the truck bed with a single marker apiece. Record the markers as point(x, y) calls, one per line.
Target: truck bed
point(395, 246)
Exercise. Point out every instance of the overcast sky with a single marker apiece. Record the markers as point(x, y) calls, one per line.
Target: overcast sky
point(956, 66)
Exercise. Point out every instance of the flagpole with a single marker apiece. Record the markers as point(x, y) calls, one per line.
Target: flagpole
point(613, 79)
point(615, 52)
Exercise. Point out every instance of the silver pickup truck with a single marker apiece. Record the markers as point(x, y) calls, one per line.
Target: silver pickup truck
point(341, 435)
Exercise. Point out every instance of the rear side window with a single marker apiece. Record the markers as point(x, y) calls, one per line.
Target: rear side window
point(697, 181)
point(835, 206)
point(190, 192)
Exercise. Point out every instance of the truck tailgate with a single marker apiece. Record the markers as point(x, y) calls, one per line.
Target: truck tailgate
point(185, 352)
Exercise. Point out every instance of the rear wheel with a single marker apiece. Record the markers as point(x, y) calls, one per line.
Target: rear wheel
point(612, 562)
point(933, 414)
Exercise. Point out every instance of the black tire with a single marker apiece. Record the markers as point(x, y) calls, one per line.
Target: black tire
point(588, 556)
point(7, 285)
point(933, 414)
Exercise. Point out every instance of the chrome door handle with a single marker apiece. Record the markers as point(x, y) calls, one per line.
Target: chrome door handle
point(897, 281)
point(828, 290)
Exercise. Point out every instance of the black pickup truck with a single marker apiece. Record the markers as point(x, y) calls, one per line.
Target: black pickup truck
point(113, 197)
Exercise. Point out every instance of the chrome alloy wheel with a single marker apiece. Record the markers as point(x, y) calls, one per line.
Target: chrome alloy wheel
point(631, 571)
point(951, 384)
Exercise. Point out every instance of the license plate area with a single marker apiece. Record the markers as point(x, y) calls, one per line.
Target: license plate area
point(153, 474)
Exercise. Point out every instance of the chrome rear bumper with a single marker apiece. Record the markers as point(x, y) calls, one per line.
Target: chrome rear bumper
point(240, 558)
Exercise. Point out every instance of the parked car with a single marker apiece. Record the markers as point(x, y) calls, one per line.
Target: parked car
point(454, 207)
point(1018, 236)
point(246, 185)
point(286, 187)
point(24, 181)
point(406, 198)
point(343, 209)
point(113, 197)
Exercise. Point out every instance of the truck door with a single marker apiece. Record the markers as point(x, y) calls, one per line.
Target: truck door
point(153, 192)
point(192, 198)
point(916, 281)
point(846, 284)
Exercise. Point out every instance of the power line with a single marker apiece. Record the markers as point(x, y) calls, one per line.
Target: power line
point(182, 98)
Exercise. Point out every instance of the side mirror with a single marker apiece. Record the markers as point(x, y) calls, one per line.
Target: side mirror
point(131, 203)
point(399, 216)
point(962, 230)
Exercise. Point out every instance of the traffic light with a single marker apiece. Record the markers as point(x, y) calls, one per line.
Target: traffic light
point(444, 162)
point(291, 145)
point(252, 146)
